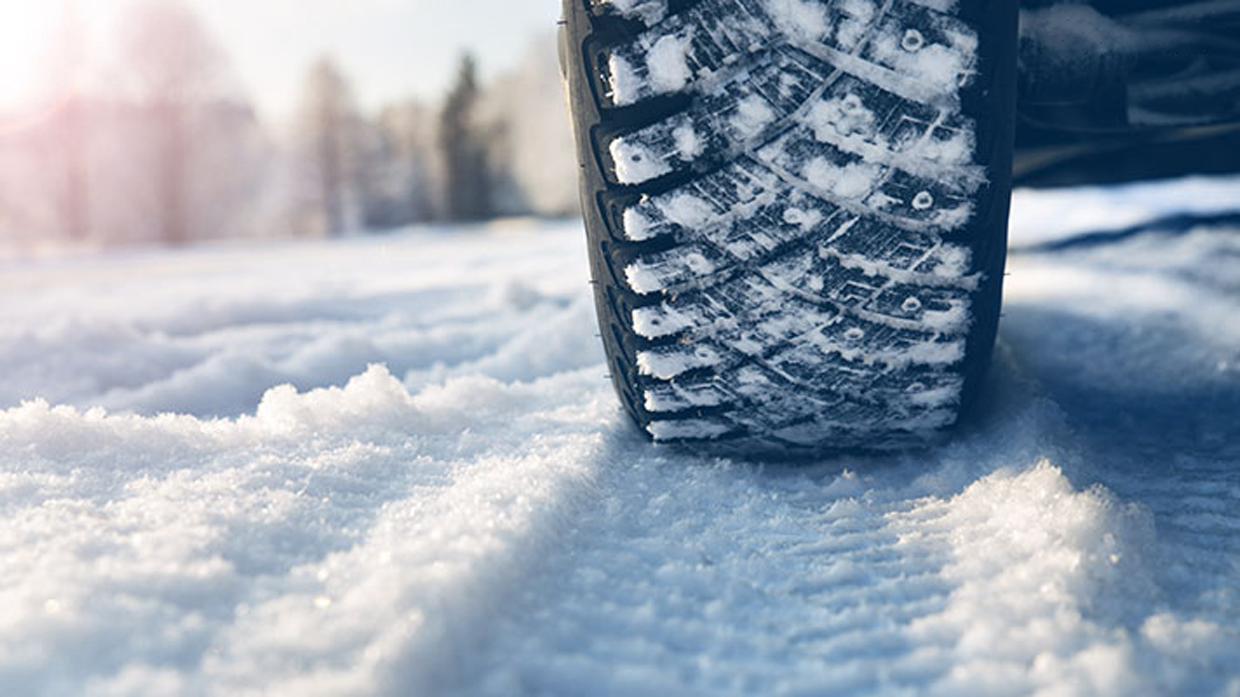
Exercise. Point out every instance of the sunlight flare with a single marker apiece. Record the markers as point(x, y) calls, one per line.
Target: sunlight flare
point(43, 53)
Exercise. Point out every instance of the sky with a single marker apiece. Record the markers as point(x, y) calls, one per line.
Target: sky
point(389, 48)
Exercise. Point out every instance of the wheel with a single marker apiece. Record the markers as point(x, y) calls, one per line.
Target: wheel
point(796, 211)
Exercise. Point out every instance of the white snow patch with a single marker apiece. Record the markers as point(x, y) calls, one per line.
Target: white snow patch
point(649, 11)
point(688, 143)
point(636, 225)
point(954, 259)
point(636, 163)
point(648, 277)
point(852, 28)
point(1043, 215)
point(952, 320)
point(668, 364)
point(852, 181)
point(937, 397)
point(687, 210)
point(626, 84)
point(932, 353)
point(842, 117)
point(686, 428)
point(643, 278)
point(667, 63)
point(799, 19)
point(956, 150)
point(806, 220)
point(752, 115)
point(1034, 558)
point(953, 218)
point(935, 66)
point(662, 320)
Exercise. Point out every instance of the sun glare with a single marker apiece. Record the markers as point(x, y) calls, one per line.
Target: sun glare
point(42, 44)
point(27, 30)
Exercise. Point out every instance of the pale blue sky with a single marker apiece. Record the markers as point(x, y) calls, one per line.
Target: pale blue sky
point(391, 48)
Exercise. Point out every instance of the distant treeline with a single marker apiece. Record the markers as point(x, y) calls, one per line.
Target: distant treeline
point(175, 153)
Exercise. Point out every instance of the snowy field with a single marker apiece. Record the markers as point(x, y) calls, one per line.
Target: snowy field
point(393, 465)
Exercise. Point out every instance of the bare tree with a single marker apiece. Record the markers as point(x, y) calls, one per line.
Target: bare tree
point(62, 132)
point(409, 131)
point(175, 68)
point(330, 118)
point(531, 145)
point(75, 192)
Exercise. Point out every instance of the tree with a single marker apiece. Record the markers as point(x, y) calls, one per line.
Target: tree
point(408, 131)
point(530, 140)
point(331, 118)
point(175, 68)
point(467, 179)
point(69, 127)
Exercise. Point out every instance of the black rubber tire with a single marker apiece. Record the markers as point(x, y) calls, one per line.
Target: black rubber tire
point(797, 229)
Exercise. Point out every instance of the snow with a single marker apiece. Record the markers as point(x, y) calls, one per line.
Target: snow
point(1075, 35)
point(939, 65)
point(625, 83)
point(668, 364)
point(636, 163)
point(799, 19)
point(752, 115)
point(679, 208)
point(688, 144)
point(636, 226)
point(394, 465)
point(663, 62)
point(1054, 214)
point(849, 125)
point(850, 181)
point(649, 11)
point(668, 64)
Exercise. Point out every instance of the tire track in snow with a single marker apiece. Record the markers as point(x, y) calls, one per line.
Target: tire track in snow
point(1144, 366)
point(724, 579)
point(693, 577)
point(1001, 564)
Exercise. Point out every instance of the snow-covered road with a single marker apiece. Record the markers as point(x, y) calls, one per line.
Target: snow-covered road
point(394, 466)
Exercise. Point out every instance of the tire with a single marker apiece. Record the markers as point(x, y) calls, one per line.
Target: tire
point(796, 212)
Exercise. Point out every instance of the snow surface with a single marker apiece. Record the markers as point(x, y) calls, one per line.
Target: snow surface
point(394, 465)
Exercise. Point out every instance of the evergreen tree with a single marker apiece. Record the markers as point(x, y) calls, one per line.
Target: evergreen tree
point(467, 179)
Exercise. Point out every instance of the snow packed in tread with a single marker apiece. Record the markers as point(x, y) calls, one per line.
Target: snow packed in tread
point(810, 283)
